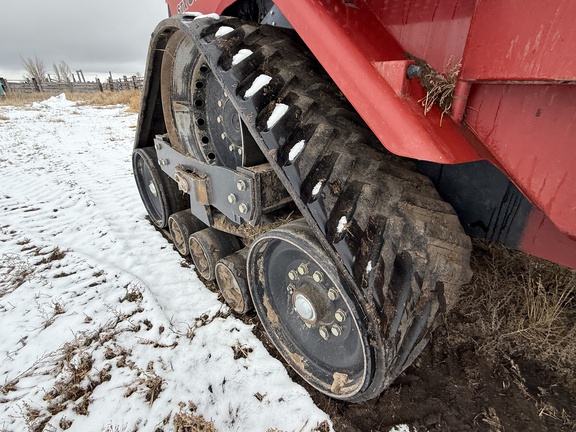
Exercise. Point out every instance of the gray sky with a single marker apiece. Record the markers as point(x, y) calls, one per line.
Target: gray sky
point(94, 36)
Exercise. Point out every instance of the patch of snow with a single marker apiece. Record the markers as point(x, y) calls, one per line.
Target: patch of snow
point(401, 428)
point(192, 14)
point(369, 267)
point(258, 83)
point(224, 30)
point(317, 188)
point(279, 111)
point(91, 293)
point(342, 224)
point(295, 152)
point(59, 101)
point(214, 16)
point(240, 56)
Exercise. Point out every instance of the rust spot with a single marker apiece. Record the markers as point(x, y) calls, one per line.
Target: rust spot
point(339, 381)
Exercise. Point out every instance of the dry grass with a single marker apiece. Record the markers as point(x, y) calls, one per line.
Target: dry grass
point(520, 311)
point(187, 421)
point(125, 97)
point(439, 86)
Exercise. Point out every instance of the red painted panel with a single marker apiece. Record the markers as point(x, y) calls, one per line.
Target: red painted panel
point(203, 6)
point(350, 41)
point(531, 131)
point(522, 40)
point(542, 239)
point(434, 30)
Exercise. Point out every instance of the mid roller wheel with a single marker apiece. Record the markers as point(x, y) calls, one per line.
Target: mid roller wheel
point(159, 193)
point(315, 322)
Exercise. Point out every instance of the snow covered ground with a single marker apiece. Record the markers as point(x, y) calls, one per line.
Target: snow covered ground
point(103, 326)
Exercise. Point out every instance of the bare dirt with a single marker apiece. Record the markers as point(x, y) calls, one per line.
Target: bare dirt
point(501, 361)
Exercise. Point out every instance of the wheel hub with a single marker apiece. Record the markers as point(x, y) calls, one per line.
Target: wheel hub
point(304, 308)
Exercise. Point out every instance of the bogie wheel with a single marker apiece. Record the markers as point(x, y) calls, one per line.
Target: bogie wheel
point(314, 321)
point(181, 226)
point(159, 193)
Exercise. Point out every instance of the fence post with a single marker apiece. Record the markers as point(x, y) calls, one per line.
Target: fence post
point(99, 85)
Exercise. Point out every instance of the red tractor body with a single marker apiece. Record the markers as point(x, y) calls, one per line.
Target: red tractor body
point(513, 70)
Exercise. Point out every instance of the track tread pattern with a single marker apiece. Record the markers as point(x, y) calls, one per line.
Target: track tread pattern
point(402, 245)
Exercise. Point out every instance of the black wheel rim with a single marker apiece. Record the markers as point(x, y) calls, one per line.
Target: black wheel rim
point(308, 314)
point(149, 186)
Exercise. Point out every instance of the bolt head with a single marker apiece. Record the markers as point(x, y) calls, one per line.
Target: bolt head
point(303, 269)
point(220, 103)
point(231, 147)
point(157, 146)
point(290, 288)
point(239, 150)
point(333, 294)
point(223, 135)
point(340, 315)
point(317, 276)
point(324, 333)
point(336, 330)
point(231, 198)
point(292, 274)
point(219, 119)
point(240, 185)
point(243, 208)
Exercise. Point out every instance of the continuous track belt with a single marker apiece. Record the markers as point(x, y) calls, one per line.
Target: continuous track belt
point(399, 246)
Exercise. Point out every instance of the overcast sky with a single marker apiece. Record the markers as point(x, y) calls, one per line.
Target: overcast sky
point(94, 36)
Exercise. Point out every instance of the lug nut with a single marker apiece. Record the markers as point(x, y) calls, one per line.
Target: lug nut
point(303, 269)
point(240, 185)
point(243, 208)
point(336, 330)
point(231, 198)
point(324, 333)
point(292, 274)
point(317, 276)
point(333, 294)
point(340, 315)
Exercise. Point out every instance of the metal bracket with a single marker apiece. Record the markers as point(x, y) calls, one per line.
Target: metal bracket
point(232, 192)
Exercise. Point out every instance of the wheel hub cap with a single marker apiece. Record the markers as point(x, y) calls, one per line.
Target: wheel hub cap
point(153, 189)
point(304, 308)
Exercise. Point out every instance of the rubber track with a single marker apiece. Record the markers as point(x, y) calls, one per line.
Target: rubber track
point(400, 245)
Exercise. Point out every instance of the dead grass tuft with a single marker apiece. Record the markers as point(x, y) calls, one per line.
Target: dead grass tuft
point(439, 86)
point(132, 98)
point(4, 118)
point(133, 293)
point(187, 421)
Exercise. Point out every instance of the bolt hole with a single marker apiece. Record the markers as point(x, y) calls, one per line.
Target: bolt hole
point(205, 139)
point(199, 84)
point(204, 68)
point(200, 122)
point(198, 102)
point(211, 156)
